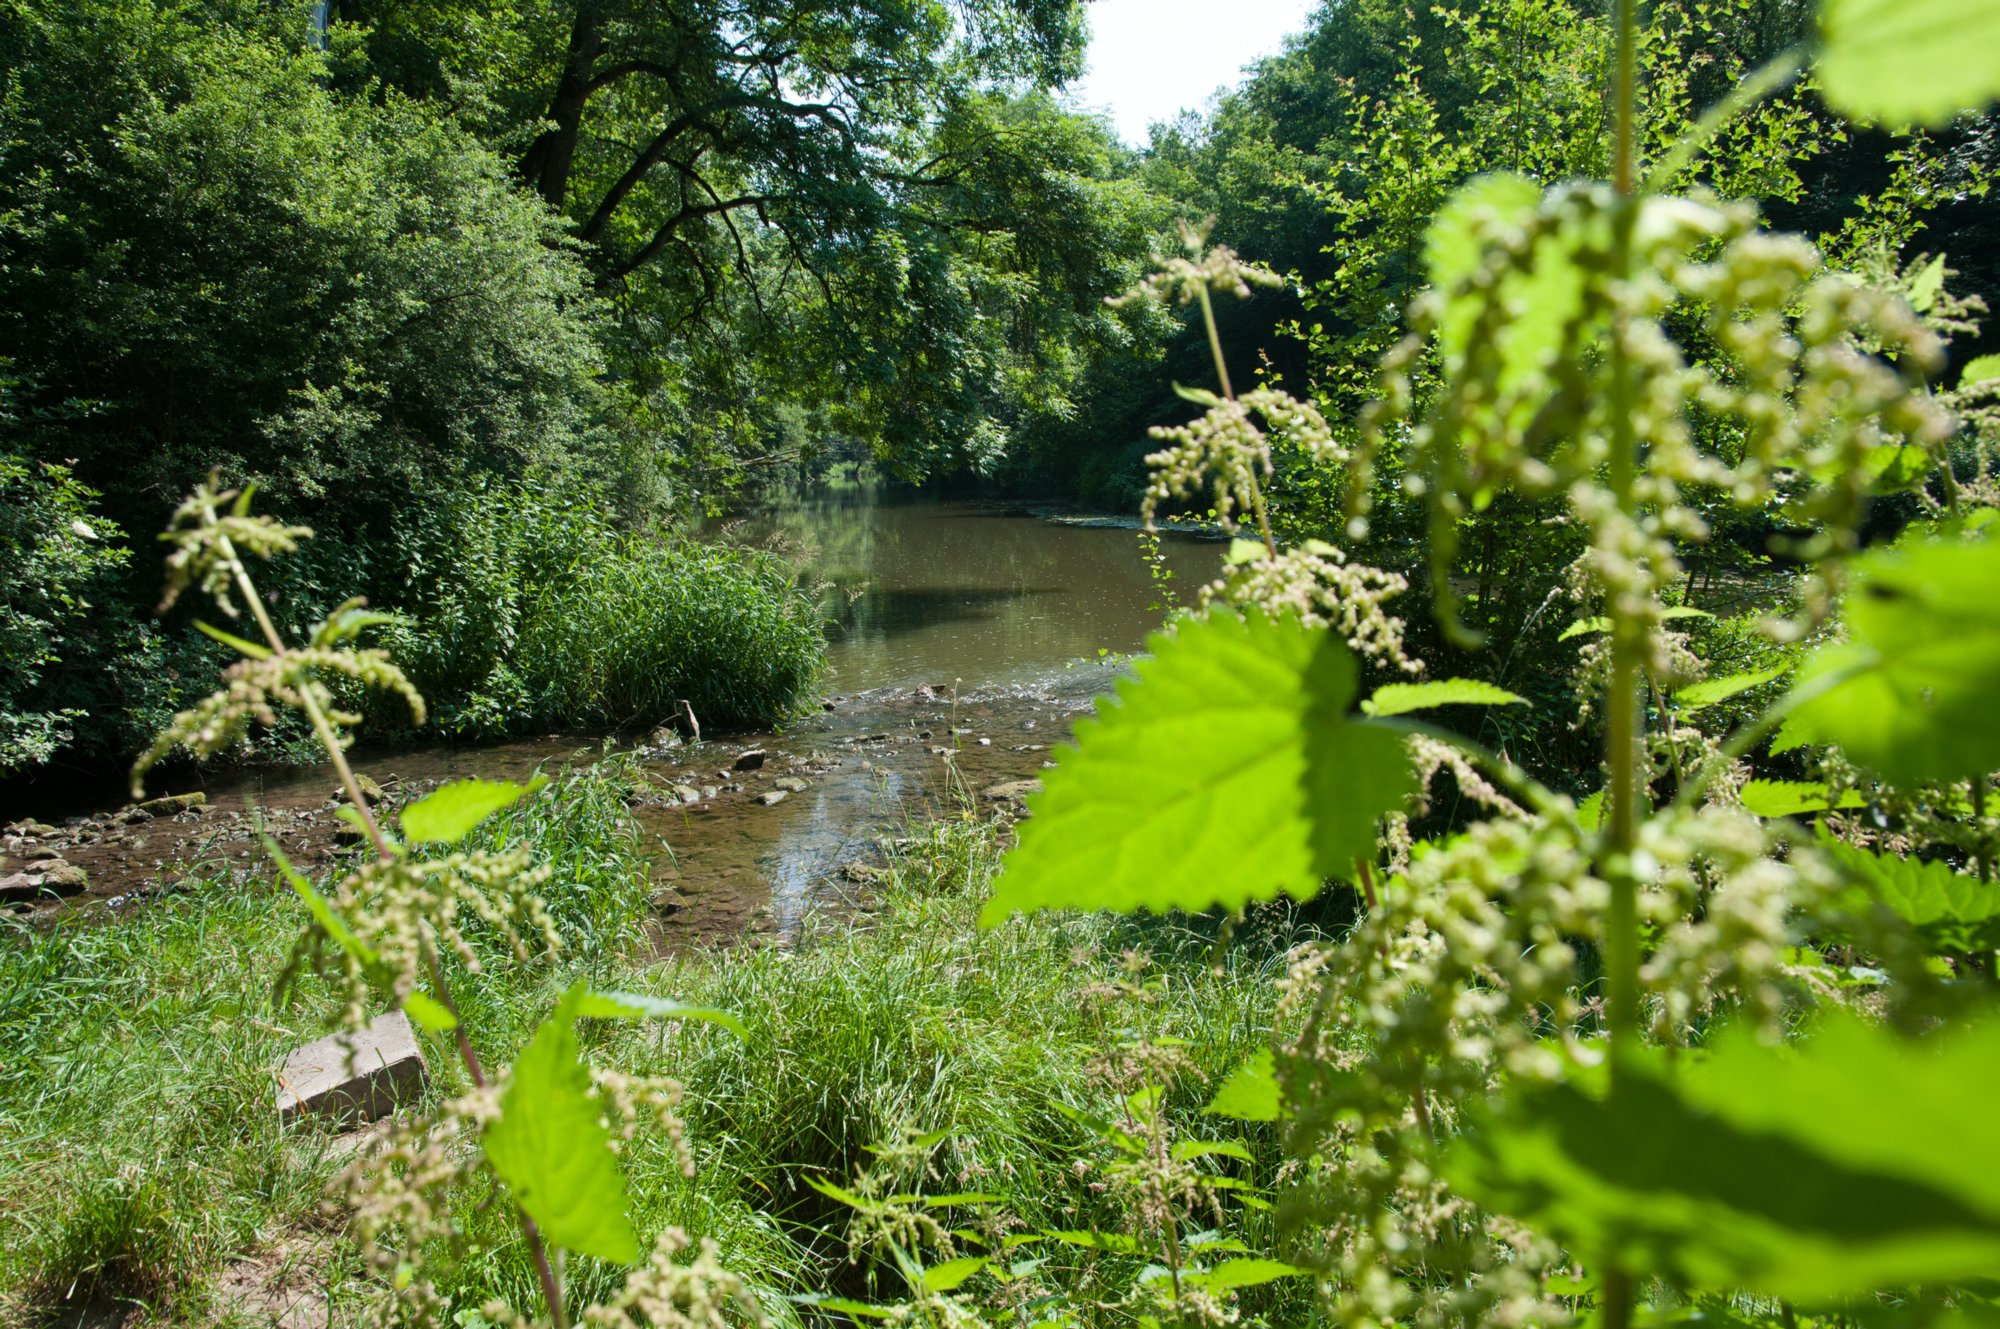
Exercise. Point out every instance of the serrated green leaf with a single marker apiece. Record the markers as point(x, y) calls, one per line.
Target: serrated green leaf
point(1191, 1149)
point(1199, 396)
point(1227, 771)
point(1909, 61)
point(1854, 1162)
point(1590, 812)
point(1245, 1273)
point(1980, 369)
point(1710, 691)
point(638, 1006)
point(1251, 1091)
point(1927, 285)
point(948, 1275)
point(1910, 694)
point(1789, 798)
point(1954, 912)
point(551, 1148)
point(448, 814)
point(1402, 698)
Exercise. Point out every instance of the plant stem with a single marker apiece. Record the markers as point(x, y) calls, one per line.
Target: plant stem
point(1629, 629)
point(1229, 394)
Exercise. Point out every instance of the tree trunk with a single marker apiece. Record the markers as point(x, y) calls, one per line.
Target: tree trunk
point(546, 165)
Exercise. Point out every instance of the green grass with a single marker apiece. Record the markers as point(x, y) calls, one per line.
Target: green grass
point(139, 1153)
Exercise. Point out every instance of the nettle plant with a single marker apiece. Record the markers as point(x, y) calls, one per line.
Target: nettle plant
point(547, 1128)
point(1674, 1052)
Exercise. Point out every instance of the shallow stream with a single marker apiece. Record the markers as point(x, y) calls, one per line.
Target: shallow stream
point(966, 639)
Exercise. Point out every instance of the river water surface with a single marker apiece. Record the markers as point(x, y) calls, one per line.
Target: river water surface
point(964, 640)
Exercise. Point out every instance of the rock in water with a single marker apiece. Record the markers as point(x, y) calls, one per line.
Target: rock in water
point(354, 1076)
point(772, 799)
point(172, 803)
point(751, 760)
point(1011, 791)
point(791, 784)
point(369, 790)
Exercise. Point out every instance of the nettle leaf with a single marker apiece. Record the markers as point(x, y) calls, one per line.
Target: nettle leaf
point(1909, 61)
point(1711, 691)
point(638, 1006)
point(1251, 1091)
point(551, 1147)
point(1789, 798)
point(1402, 698)
point(448, 814)
point(1980, 369)
point(1854, 1162)
point(1227, 771)
point(1954, 912)
point(1910, 694)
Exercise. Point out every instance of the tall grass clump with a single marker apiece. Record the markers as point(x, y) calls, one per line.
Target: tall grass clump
point(527, 610)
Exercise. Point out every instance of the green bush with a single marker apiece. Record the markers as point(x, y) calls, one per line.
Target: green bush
point(526, 611)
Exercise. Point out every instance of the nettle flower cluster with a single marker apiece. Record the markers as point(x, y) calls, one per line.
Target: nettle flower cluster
point(1555, 335)
point(1225, 455)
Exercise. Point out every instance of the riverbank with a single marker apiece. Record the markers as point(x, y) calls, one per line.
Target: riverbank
point(143, 1167)
point(964, 639)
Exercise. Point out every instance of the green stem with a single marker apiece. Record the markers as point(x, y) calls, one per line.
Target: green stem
point(1229, 394)
point(1628, 646)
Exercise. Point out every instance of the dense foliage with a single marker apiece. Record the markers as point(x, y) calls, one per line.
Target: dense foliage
point(1674, 1005)
point(632, 257)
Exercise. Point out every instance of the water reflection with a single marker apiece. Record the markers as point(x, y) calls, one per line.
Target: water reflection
point(931, 592)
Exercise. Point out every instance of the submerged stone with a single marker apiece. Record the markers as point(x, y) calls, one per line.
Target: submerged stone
point(170, 804)
point(1011, 791)
point(354, 1075)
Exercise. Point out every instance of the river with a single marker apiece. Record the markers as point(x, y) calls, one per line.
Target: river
point(964, 640)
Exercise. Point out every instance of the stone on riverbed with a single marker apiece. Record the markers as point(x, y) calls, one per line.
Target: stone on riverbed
point(47, 878)
point(751, 760)
point(354, 1075)
point(369, 790)
point(772, 799)
point(1011, 791)
point(791, 784)
point(172, 803)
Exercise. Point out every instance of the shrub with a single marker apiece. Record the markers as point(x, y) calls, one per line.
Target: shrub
point(527, 611)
